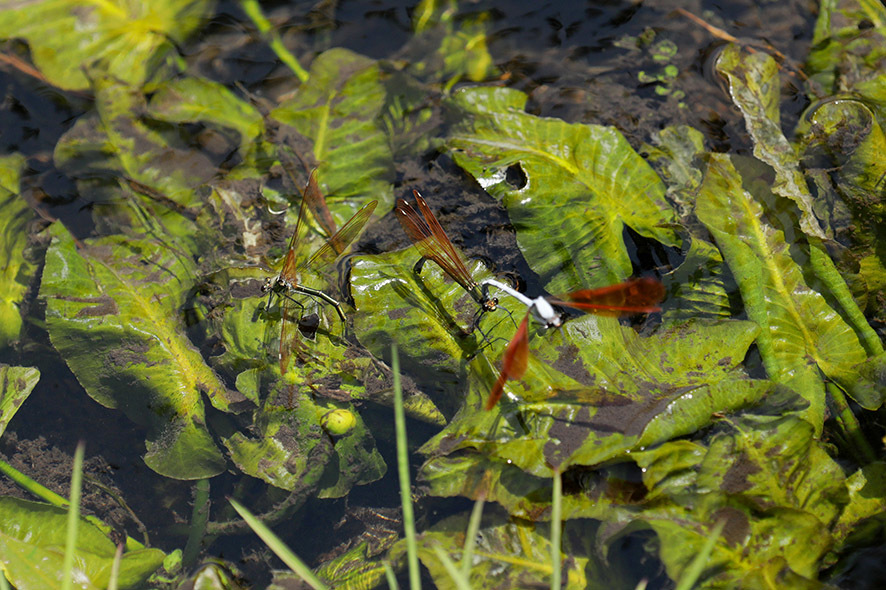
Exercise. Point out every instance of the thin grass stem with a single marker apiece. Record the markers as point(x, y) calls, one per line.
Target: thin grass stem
point(695, 568)
point(403, 472)
point(467, 556)
point(279, 548)
point(556, 530)
point(264, 26)
point(115, 568)
point(390, 576)
point(454, 573)
point(73, 518)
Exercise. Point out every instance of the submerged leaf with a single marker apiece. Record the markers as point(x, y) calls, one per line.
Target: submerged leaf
point(186, 100)
point(605, 391)
point(338, 110)
point(446, 49)
point(754, 87)
point(570, 189)
point(797, 324)
point(112, 313)
point(134, 39)
point(848, 52)
point(16, 384)
point(138, 177)
point(17, 271)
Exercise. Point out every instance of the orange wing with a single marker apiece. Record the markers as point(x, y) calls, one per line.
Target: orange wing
point(311, 192)
point(641, 295)
point(431, 240)
point(337, 244)
point(514, 363)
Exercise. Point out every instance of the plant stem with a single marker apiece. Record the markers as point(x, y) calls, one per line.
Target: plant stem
point(850, 426)
point(199, 518)
point(556, 530)
point(403, 472)
point(253, 11)
point(73, 518)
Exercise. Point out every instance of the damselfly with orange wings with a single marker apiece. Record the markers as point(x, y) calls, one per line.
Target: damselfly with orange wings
point(286, 283)
point(641, 295)
point(432, 242)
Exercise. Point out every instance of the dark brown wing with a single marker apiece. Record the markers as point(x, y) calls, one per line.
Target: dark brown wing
point(514, 362)
point(431, 240)
point(634, 296)
point(337, 244)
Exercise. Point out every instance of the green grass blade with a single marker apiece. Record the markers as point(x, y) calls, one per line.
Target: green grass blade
point(253, 11)
point(556, 530)
point(696, 567)
point(455, 574)
point(471, 536)
point(403, 472)
point(115, 568)
point(73, 518)
point(278, 547)
point(390, 576)
point(26, 483)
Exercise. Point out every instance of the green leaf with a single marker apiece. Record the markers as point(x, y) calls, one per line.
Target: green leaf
point(428, 315)
point(133, 40)
point(338, 110)
point(583, 184)
point(112, 313)
point(797, 324)
point(135, 175)
point(867, 498)
point(289, 452)
point(17, 271)
point(16, 384)
point(842, 146)
point(514, 554)
point(215, 576)
point(755, 89)
point(186, 100)
point(448, 48)
point(762, 472)
point(288, 445)
point(848, 50)
point(602, 391)
point(32, 540)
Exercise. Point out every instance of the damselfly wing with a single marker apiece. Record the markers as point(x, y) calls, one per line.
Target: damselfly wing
point(286, 284)
point(432, 242)
point(641, 295)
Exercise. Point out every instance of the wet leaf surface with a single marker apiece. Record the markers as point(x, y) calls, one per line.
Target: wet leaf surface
point(32, 541)
point(748, 400)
